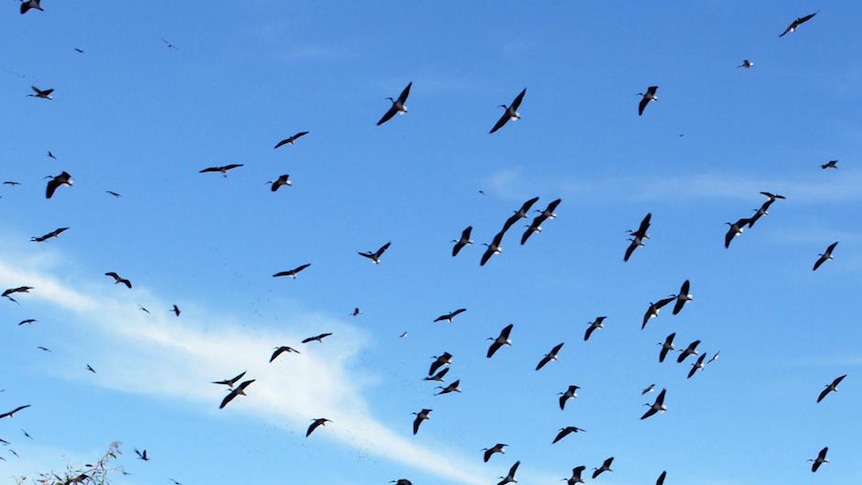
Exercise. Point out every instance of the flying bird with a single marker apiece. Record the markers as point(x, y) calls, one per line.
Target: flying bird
point(292, 272)
point(493, 248)
point(570, 393)
point(316, 423)
point(41, 93)
point(511, 112)
point(438, 376)
point(498, 448)
point(690, 350)
point(9, 414)
point(27, 321)
point(401, 481)
point(237, 391)
point(597, 323)
point(439, 361)
point(142, 455)
point(501, 340)
point(566, 431)
point(764, 208)
point(168, 45)
point(63, 179)
point(176, 310)
point(682, 297)
point(290, 140)
point(448, 317)
point(657, 406)
point(549, 213)
point(420, 416)
point(510, 477)
point(647, 97)
point(746, 64)
point(821, 459)
point(833, 387)
point(464, 240)
point(318, 338)
point(230, 382)
point(638, 236)
point(79, 50)
point(51, 155)
point(796, 23)
point(660, 480)
point(552, 355)
point(119, 279)
point(398, 106)
point(519, 214)
point(356, 312)
point(115, 194)
point(455, 386)
point(606, 467)
point(698, 365)
point(666, 346)
point(825, 256)
point(26, 5)
point(282, 180)
point(735, 229)
point(52, 234)
point(222, 169)
point(90, 368)
point(830, 164)
point(648, 389)
point(654, 309)
point(20, 289)
point(375, 256)
point(11, 183)
point(282, 349)
point(576, 475)
point(143, 309)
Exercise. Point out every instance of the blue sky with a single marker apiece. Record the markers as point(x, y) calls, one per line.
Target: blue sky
point(133, 116)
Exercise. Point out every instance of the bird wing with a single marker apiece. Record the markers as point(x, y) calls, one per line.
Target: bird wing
point(516, 103)
point(644, 101)
point(510, 221)
point(487, 455)
point(823, 394)
point(231, 166)
point(487, 255)
point(231, 395)
point(9, 414)
point(52, 186)
point(416, 423)
point(501, 122)
point(629, 251)
point(382, 249)
point(388, 115)
point(663, 302)
point(278, 351)
point(545, 360)
point(661, 478)
point(589, 332)
point(402, 98)
point(312, 427)
point(282, 143)
point(562, 434)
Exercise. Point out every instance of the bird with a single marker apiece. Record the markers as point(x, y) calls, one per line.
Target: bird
point(176, 310)
point(41, 93)
point(142, 455)
point(713, 358)
point(119, 279)
point(548, 212)
point(660, 480)
point(375, 256)
point(20, 289)
point(11, 183)
point(690, 350)
point(26, 5)
point(420, 416)
point(511, 112)
point(657, 406)
point(316, 423)
point(464, 240)
point(280, 181)
point(821, 459)
point(830, 164)
point(455, 386)
point(764, 208)
point(698, 365)
point(356, 312)
point(90, 368)
point(318, 338)
point(566, 431)
point(439, 361)
point(552, 355)
point(79, 50)
point(825, 256)
point(648, 389)
point(493, 248)
point(638, 236)
point(735, 229)
point(682, 297)
point(237, 391)
point(597, 323)
point(448, 317)
point(115, 194)
point(63, 179)
point(606, 467)
point(647, 97)
point(292, 272)
point(9, 414)
point(534, 227)
point(51, 155)
point(510, 477)
point(222, 169)
point(401, 481)
point(501, 340)
point(666, 346)
point(519, 214)
point(576, 475)
point(796, 23)
point(43, 349)
point(27, 321)
point(26, 434)
point(282, 349)
point(290, 140)
point(498, 448)
point(832, 387)
point(438, 376)
point(143, 309)
point(746, 64)
point(52, 234)
point(168, 45)
point(654, 309)
point(398, 106)
point(230, 382)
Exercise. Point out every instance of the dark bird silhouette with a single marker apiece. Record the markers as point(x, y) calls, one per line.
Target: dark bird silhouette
point(356, 312)
point(119, 279)
point(142, 455)
point(41, 93)
point(833, 387)
point(401, 481)
point(439, 361)
point(698, 365)
point(398, 105)
point(825, 256)
point(230, 382)
point(690, 350)
point(282, 180)
point(549, 212)
point(489, 452)
point(657, 406)
point(576, 475)
point(570, 393)
point(282, 349)
point(764, 208)
point(648, 389)
point(746, 64)
point(176, 310)
point(821, 459)
point(666, 346)
point(682, 297)
point(63, 179)
point(511, 112)
point(168, 45)
point(43, 349)
point(597, 323)
point(51, 155)
point(79, 50)
point(638, 236)
point(143, 309)
point(566, 431)
point(552, 355)
point(796, 23)
point(438, 376)
point(26, 5)
point(375, 256)
point(290, 140)
point(292, 272)
point(646, 98)
point(54, 233)
point(316, 423)
point(90, 368)
point(501, 340)
point(11, 183)
point(534, 227)
point(448, 317)
point(222, 169)
point(519, 214)
point(510, 477)
point(830, 164)
point(493, 248)
point(606, 467)
point(455, 386)
point(318, 338)
point(735, 229)
point(115, 194)
point(9, 414)
point(26, 434)
point(654, 309)
point(420, 416)
point(27, 321)
point(660, 480)
point(237, 391)
point(464, 240)
point(20, 289)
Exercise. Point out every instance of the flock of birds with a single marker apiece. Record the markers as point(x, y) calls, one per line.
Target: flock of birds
point(239, 386)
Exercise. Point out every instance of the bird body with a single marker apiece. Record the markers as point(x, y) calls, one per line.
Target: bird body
point(825, 256)
point(821, 459)
point(222, 169)
point(501, 340)
point(449, 317)
point(52, 234)
point(375, 256)
point(830, 164)
point(654, 309)
point(290, 140)
point(230, 382)
point(493, 248)
point(576, 475)
point(646, 98)
point(511, 112)
point(63, 179)
point(318, 338)
point(292, 272)
point(455, 386)
point(498, 448)
point(26, 5)
point(119, 279)
point(657, 406)
point(510, 477)
point(698, 365)
point(282, 349)
point(282, 180)
point(142, 455)
point(439, 361)
point(552, 355)
point(682, 297)
point(41, 93)
point(316, 423)
point(831, 387)
point(519, 214)
point(398, 105)
point(746, 64)
point(666, 346)
point(597, 323)
point(420, 416)
point(438, 376)
point(176, 310)
point(606, 467)
point(690, 350)
point(735, 229)
point(566, 431)
point(9, 414)
point(464, 240)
